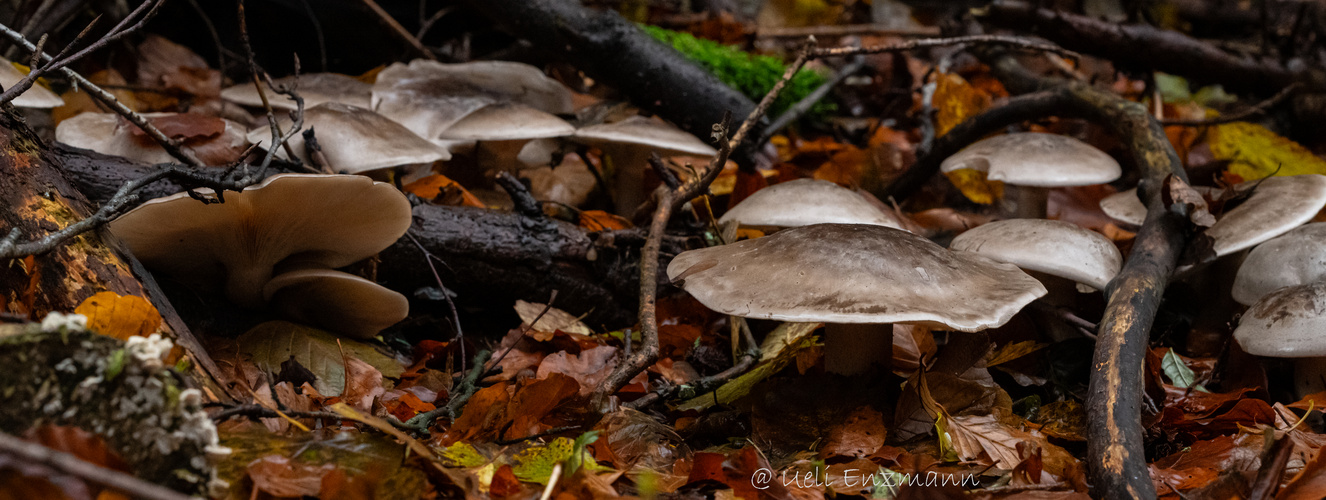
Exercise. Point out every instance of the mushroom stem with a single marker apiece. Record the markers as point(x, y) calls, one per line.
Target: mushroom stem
point(628, 176)
point(850, 349)
point(244, 285)
point(1309, 377)
point(1026, 202)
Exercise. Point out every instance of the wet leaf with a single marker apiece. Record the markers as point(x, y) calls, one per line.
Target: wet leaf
point(1255, 152)
point(121, 317)
point(275, 342)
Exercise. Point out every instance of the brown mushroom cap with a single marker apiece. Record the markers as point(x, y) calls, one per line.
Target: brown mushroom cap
point(1052, 247)
point(1294, 258)
point(336, 301)
point(314, 88)
point(356, 140)
point(854, 273)
point(1286, 323)
point(35, 97)
point(1277, 205)
point(803, 202)
point(309, 220)
point(1037, 160)
point(109, 134)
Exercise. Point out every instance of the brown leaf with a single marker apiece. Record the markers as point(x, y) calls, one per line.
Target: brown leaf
point(1310, 483)
point(1175, 191)
point(281, 477)
point(858, 436)
point(590, 368)
point(534, 401)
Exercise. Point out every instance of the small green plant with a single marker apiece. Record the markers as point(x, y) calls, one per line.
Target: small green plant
point(751, 75)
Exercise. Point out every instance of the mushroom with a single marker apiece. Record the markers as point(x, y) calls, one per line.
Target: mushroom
point(802, 202)
point(355, 140)
point(1033, 162)
point(287, 221)
point(314, 88)
point(429, 97)
point(857, 279)
point(1124, 206)
point(628, 143)
point(214, 141)
point(1277, 205)
point(336, 301)
point(36, 96)
point(1288, 323)
point(1294, 258)
point(501, 131)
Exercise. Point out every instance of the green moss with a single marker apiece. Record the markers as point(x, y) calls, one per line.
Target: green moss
point(750, 74)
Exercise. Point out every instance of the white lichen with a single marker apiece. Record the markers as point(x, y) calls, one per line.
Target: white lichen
point(148, 350)
point(57, 321)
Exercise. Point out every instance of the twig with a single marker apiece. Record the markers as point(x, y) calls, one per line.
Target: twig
point(279, 139)
point(922, 43)
point(112, 479)
point(216, 37)
point(524, 201)
point(260, 411)
point(427, 24)
point(317, 31)
point(806, 103)
point(1257, 109)
point(442, 288)
point(463, 391)
point(844, 30)
point(549, 432)
point(399, 30)
point(702, 385)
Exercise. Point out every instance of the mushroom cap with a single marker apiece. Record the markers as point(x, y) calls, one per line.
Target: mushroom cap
point(336, 301)
point(657, 134)
point(508, 122)
point(1052, 247)
point(108, 134)
point(288, 219)
point(1037, 160)
point(1286, 323)
point(357, 140)
point(1293, 258)
point(36, 96)
point(428, 97)
point(314, 88)
point(803, 202)
point(1124, 206)
point(1277, 205)
point(854, 273)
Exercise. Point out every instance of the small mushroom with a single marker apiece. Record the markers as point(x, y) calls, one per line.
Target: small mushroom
point(501, 131)
point(429, 97)
point(803, 202)
point(1288, 323)
point(1051, 247)
point(355, 140)
point(1294, 258)
point(336, 301)
point(850, 275)
point(35, 97)
point(290, 221)
point(1277, 205)
point(214, 141)
point(1124, 206)
point(1032, 163)
point(314, 88)
point(628, 144)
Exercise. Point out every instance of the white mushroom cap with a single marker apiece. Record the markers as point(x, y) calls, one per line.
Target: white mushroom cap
point(35, 97)
point(109, 134)
point(854, 273)
point(1052, 247)
point(506, 122)
point(336, 301)
point(314, 88)
point(428, 97)
point(1294, 258)
point(1124, 206)
point(356, 140)
point(1278, 205)
point(288, 220)
point(803, 202)
point(653, 133)
point(1037, 160)
point(1286, 323)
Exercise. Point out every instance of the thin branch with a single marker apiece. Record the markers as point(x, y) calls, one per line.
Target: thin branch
point(279, 139)
point(30, 452)
point(463, 392)
point(399, 30)
point(844, 30)
point(806, 103)
point(923, 43)
point(1256, 110)
point(703, 385)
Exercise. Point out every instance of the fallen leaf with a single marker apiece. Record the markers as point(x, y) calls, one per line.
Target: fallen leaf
point(279, 476)
point(1253, 152)
point(121, 317)
point(858, 436)
point(954, 101)
point(274, 342)
point(551, 321)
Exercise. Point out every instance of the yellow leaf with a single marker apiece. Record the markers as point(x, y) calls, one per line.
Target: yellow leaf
point(1255, 152)
point(120, 317)
point(975, 186)
point(955, 100)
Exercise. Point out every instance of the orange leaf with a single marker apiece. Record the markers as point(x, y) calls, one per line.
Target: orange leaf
point(112, 315)
point(444, 191)
point(955, 100)
point(598, 220)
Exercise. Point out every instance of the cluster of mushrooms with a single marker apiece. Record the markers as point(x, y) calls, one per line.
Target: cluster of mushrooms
point(277, 245)
point(839, 259)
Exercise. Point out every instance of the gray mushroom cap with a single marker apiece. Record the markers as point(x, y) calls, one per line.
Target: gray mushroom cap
point(1052, 247)
point(803, 202)
point(108, 134)
point(652, 133)
point(1124, 206)
point(1286, 323)
point(1278, 205)
point(314, 88)
point(1294, 258)
point(506, 122)
point(336, 301)
point(854, 273)
point(35, 97)
point(1037, 160)
point(356, 140)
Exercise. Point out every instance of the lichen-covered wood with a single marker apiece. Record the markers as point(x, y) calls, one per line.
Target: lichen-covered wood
point(61, 374)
